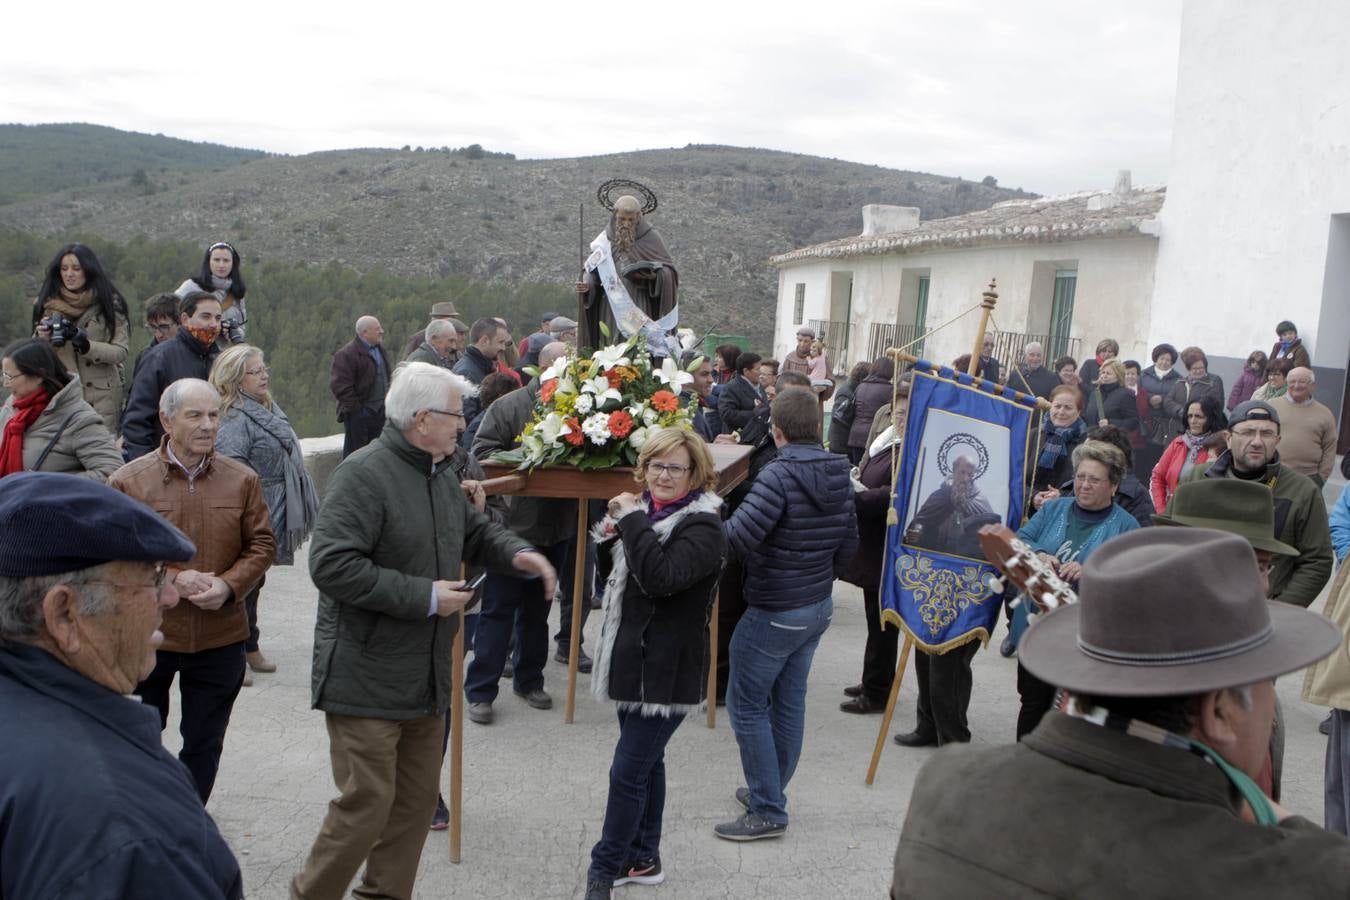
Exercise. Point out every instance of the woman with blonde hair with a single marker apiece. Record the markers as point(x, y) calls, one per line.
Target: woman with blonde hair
point(255, 431)
point(659, 554)
point(1109, 401)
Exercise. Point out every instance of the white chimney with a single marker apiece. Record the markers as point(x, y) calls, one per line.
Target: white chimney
point(881, 218)
point(1122, 185)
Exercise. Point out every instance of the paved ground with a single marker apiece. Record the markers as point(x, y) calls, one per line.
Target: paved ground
point(535, 788)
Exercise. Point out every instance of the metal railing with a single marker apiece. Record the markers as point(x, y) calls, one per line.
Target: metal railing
point(833, 334)
point(1008, 345)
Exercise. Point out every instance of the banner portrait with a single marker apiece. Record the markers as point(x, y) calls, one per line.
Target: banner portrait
point(963, 465)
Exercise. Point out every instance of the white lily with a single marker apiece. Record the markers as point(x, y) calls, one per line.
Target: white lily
point(599, 387)
point(556, 370)
point(670, 373)
point(551, 429)
point(638, 438)
point(609, 357)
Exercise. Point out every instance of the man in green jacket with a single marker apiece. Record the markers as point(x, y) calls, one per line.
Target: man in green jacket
point(1300, 514)
point(394, 527)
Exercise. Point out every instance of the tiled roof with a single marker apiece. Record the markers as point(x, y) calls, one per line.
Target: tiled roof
point(1070, 217)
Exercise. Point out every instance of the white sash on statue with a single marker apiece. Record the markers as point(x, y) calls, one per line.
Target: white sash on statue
point(629, 317)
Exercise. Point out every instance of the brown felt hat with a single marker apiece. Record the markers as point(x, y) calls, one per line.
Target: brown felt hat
point(444, 310)
point(1167, 612)
point(1244, 508)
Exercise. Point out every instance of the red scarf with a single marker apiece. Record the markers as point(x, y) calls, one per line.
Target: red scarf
point(26, 412)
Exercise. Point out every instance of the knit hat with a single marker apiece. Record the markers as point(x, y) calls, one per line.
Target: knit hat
point(59, 523)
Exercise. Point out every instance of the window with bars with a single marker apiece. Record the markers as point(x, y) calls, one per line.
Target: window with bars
point(1061, 311)
point(799, 305)
point(920, 314)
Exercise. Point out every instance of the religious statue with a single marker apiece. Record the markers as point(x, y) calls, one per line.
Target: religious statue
point(629, 280)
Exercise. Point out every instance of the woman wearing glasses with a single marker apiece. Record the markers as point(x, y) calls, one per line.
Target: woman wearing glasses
point(660, 554)
point(255, 431)
point(1064, 533)
point(46, 424)
point(219, 274)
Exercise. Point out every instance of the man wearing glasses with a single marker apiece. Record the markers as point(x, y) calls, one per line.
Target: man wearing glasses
point(1300, 514)
point(82, 591)
point(161, 320)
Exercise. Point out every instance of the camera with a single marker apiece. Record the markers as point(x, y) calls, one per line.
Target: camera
point(232, 324)
point(62, 328)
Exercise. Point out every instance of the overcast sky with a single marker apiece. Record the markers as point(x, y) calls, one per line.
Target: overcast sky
point(1048, 96)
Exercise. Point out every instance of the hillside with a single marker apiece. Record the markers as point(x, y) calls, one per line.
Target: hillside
point(723, 212)
point(40, 159)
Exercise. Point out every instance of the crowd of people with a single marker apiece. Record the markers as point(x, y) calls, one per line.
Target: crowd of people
point(198, 486)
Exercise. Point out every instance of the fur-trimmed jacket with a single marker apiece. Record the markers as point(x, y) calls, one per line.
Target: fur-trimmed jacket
point(659, 585)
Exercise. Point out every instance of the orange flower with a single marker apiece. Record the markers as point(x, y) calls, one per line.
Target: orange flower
point(615, 378)
point(665, 401)
point(573, 437)
point(620, 423)
point(546, 392)
point(629, 373)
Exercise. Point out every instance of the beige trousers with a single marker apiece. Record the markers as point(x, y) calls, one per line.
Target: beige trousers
point(387, 773)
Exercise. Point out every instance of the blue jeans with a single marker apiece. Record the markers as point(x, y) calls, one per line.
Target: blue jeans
point(766, 698)
point(637, 795)
point(511, 603)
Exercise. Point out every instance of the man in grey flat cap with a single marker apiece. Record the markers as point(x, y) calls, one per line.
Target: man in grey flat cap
point(1144, 785)
point(91, 804)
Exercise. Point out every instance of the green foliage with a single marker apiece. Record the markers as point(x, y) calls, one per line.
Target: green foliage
point(40, 159)
point(298, 314)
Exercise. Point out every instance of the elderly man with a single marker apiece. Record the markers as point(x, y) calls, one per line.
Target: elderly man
point(359, 380)
point(800, 359)
point(564, 330)
point(990, 368)
point(218, 504)
point(393, 530)
point(94, 806)
point(1144, 785)
point(439, 349)
point(1032, 377)
point(795, 530)
point(1308, 428)
point(512, 603)
point(1300, 515)
point(443, 311)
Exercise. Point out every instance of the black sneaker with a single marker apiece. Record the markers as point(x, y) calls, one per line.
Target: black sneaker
point(598, 890)
point(749, 827)
point(648, 872)
point(743, 797)
point(441, 819)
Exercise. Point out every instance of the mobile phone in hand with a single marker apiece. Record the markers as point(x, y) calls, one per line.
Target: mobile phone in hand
point(476, 583)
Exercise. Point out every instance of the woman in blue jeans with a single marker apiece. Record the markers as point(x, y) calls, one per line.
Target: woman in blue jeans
point(659, 555)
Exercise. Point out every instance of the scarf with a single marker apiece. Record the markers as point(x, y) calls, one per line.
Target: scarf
point(302, 504)
point(659, 510)
point(221, 286)
point(883, 441)
point(72, 306)
point(1195, 445)
point(1056, 440)
point(26, 412)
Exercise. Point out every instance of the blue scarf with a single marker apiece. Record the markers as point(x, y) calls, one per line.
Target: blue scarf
point(1055, 442)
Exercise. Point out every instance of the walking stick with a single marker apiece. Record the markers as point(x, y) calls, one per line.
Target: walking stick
point(574, 645)
point(457, 739)
point(712, 661)
point(890, 709)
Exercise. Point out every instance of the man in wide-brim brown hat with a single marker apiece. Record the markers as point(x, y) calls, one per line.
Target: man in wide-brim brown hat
point(1143, 786)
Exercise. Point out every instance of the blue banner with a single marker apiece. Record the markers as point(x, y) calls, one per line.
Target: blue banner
point(962, 467)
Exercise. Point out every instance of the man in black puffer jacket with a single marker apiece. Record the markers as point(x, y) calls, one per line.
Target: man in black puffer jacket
point(795, 530)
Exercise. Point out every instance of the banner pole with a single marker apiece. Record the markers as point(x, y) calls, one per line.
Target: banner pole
point(890, 708)
point(989, 298)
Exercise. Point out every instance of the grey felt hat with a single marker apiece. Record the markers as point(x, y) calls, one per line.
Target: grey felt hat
point(1167, 612)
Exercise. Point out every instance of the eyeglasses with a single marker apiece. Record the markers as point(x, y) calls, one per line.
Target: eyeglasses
point(446, 412)
point(161, 574)
point(265, 370)
point(7, 378)
point(1089, 480)
point(162, 328)
point(672, 470)
point(1266, 434)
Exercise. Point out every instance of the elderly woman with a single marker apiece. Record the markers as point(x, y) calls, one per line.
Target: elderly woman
point(1191, 448)
point(1064, 534)
point(1276, 372)
point(255, 431)
point(1066, 367)
point(1061, 433)
point(1197, 383)
point(84, 317)
point(660, 555)
point(47, 424)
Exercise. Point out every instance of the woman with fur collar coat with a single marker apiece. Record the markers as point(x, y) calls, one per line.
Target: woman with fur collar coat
point(660, 555)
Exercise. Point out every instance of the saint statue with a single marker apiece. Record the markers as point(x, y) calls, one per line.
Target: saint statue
point(629, 283)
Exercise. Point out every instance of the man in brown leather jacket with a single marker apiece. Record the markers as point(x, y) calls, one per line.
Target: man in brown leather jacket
point(218, 504)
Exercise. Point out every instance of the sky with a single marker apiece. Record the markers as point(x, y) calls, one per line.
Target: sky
point(1048, 96)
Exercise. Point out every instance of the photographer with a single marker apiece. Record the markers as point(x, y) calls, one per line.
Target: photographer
point(219, 275)
point(82, 315)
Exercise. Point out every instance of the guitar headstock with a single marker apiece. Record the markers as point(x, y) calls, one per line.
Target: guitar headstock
point(1024, 569)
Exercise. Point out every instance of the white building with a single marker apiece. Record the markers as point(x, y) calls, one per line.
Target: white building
point(1070, 270)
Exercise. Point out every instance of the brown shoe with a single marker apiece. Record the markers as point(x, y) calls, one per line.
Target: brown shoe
point(259, 663)
point(248, 678)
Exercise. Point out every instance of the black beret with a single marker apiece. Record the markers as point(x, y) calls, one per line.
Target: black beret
point(59, 523)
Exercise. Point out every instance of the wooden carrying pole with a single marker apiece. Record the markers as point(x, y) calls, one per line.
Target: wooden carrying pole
point(890, 708)
point(712, 661)
point(457, 737)
point(578, 581)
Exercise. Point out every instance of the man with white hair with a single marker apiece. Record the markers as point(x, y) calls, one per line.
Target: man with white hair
point(1307, 428)
point(439, 347)
point(1032, 377)
point(393, 530)
point(218, 503)
point(359, 379)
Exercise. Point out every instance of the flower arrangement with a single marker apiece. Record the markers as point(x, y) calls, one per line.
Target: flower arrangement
point(598, 412)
